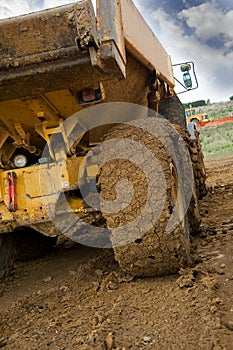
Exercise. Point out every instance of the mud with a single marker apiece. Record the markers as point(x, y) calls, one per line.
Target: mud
point(149, 251)
point(77, 298)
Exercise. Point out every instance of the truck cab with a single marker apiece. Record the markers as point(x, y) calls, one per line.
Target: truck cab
point(194, 115)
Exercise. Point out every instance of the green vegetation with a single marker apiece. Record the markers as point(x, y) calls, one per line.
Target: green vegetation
point(198, 103)
point(215, 110)
point(217, 141)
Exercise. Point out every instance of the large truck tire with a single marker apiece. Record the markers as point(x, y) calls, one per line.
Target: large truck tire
point(199, 188)
point(7, 254)
point(155, 252)
point(197, 158)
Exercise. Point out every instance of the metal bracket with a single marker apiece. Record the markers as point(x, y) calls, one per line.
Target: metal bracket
point(157, 91)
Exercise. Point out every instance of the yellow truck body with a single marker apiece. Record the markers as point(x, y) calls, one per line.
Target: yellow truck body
point(195, 115)
point(47, 59)
point(56, 63)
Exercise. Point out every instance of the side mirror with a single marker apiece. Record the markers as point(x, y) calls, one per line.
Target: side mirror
point(187, 80)
point(185, 77)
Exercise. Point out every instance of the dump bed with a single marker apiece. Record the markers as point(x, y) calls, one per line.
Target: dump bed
point(47, 50)
point(49, 57)
point(50, 49)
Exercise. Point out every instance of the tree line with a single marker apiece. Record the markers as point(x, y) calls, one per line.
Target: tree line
point(198, 103)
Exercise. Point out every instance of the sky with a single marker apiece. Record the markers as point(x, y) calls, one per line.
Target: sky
point(190, 30)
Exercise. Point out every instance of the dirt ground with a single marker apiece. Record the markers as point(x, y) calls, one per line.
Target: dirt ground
point(77, 298)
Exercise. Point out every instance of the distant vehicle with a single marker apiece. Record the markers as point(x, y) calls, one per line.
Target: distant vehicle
point(195, 116)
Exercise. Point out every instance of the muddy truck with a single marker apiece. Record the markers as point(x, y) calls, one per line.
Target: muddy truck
point(77, 87)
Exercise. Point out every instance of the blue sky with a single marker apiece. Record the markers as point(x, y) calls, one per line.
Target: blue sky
point(201, 31)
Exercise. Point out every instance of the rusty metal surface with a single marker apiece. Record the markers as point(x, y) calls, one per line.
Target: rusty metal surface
point(55, 52)
point(44, 77)
point(46, 50)
point(49, 50)
point(50, 33)
point(110, 27)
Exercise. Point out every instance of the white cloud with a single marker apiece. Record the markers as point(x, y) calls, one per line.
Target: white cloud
point(19, 7)
point(54, 3)
point(13, 8)
point(208, 21)
point(213, 66)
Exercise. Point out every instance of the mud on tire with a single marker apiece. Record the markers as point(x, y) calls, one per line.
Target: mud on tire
point(200, 188)
point(199, 166)
point(154, 252)
point(197, 158)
